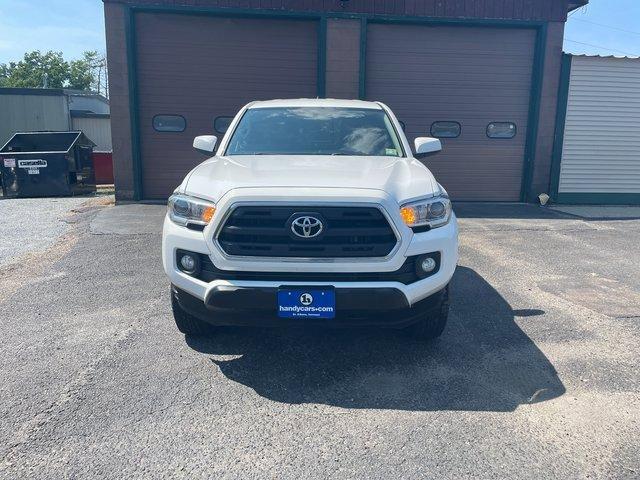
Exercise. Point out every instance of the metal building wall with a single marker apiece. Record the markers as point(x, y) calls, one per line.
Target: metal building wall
point(25, 113)
point(600, 160)
point(97, 129)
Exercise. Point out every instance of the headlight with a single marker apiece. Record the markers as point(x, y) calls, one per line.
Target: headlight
point(430, 212)
point(185, 210)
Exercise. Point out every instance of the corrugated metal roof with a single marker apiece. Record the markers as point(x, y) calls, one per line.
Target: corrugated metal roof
point(621, 57)
point(49, 92)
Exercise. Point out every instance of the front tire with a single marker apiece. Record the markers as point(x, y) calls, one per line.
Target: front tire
point(187, 323)
point(432, 324)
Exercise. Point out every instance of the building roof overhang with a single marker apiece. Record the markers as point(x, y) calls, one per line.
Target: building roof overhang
point(575, 4)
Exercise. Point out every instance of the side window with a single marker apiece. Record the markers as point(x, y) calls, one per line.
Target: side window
point(446, 129)
point(502, 130)
point(169, 123)
point(222, 124)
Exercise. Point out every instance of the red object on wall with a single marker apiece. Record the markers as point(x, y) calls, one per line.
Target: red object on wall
point(103, 166)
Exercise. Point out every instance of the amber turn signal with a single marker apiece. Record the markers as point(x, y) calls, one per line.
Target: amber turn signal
point(207, 214)
point(408, 215)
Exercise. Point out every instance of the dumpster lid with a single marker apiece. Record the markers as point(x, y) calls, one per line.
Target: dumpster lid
point(45, 142)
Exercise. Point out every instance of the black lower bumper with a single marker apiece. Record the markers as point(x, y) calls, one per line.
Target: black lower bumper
point(244, 306)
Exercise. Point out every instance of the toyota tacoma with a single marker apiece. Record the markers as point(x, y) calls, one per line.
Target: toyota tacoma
point(311, 212)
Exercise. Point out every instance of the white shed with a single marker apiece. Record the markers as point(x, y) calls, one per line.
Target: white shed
point(598, 152)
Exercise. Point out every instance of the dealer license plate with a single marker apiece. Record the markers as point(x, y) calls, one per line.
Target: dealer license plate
point(312, 303)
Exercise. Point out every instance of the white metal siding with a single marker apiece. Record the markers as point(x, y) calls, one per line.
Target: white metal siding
point(601, 150)
point(98, 130)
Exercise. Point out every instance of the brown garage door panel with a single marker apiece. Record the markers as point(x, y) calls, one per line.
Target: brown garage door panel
point(202, 67)
point(472, 75)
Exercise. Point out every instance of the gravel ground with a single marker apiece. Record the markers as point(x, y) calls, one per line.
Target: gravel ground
point(537, 375)
point(32, 225)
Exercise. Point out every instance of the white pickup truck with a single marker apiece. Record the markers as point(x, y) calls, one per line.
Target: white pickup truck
point(311, 212)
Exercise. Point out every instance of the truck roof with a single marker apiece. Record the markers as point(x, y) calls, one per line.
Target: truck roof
point(315, 103)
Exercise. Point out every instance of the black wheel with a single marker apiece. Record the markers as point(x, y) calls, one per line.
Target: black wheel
point(432, 325)
point(187, 323)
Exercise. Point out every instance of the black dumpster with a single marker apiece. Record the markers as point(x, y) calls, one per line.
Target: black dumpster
point(47, 164)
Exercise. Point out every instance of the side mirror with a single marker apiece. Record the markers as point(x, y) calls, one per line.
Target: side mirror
point(427, 146)
point(205, 144)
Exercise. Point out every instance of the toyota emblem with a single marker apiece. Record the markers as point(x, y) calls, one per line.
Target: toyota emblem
point(307, 226)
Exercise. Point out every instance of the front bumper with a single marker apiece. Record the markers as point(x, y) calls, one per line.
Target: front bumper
point(250, 307)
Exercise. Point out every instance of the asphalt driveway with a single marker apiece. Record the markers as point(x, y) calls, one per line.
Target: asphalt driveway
point(536, 376)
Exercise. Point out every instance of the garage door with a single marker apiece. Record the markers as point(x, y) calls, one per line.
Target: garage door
point(194, 69)
point(468, 86)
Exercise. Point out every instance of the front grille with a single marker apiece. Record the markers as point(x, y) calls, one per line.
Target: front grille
point(406, 274)
point(348, 232)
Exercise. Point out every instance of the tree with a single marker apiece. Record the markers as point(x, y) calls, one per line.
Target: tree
point(97, 64)
point(38, 70)
point(4, 74)
point(81, 71)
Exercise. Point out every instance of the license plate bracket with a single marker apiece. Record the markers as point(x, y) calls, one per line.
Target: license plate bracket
point(307, 302)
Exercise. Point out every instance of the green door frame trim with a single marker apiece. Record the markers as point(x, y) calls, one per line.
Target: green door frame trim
point(533, 122)
point(561, 117)
point(322, 58)
point(362, 82)
point(322, 17)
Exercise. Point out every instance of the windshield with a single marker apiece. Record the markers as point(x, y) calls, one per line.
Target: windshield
point(315, 131)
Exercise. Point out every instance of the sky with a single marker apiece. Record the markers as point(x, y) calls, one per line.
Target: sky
point(67, 26)
point(604, 27)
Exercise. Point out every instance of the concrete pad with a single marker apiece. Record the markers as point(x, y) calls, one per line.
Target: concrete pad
point(134, 219)
point(600, 212)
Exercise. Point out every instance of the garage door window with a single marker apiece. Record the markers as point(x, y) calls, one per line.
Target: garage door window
point(169, 123)
point(446, 129)
point(501, 130)
point(222, 124)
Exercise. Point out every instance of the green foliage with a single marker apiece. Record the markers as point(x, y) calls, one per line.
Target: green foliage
point(38, 69)
point(81, 72)
point(4, 74)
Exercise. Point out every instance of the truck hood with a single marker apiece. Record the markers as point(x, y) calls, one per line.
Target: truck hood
point(402, 178)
